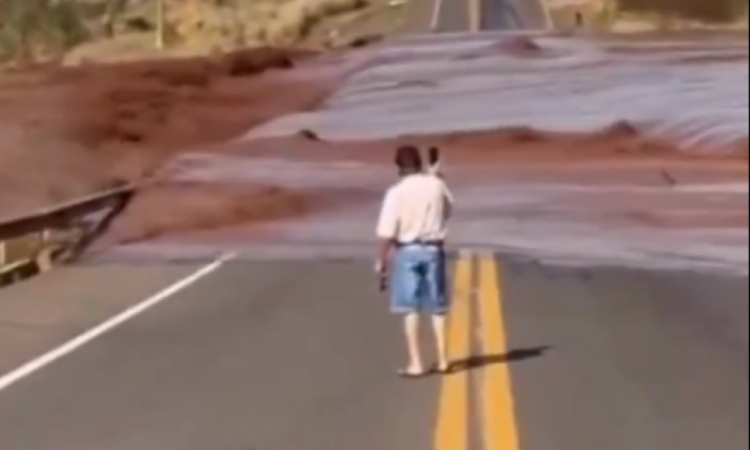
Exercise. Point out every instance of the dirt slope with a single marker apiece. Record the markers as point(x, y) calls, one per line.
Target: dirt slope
point(66, 132)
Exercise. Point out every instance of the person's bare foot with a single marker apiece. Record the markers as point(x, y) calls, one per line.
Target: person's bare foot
point(412, 371)
point(443, 367)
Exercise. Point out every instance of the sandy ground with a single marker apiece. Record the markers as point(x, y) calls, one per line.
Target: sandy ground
point(546, 139)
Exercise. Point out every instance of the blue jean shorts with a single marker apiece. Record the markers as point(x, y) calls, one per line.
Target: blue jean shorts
point(418, 280)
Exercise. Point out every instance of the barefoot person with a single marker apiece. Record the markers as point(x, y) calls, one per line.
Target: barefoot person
point(412, 228)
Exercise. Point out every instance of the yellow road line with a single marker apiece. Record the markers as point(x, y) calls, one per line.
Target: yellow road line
point(498, 407)
point(452, 429)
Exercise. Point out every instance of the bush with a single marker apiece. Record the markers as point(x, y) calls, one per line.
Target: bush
point(32, 29)
point(295, 19)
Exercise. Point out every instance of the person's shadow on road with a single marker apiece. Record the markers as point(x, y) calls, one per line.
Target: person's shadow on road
point(479, 361)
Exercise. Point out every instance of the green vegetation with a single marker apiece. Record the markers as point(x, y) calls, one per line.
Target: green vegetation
point(29, 28)
point(33, 30)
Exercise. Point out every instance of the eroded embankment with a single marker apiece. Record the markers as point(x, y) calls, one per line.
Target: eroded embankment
point(72, 131)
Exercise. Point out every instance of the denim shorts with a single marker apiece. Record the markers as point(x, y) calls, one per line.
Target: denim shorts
point(418, 280)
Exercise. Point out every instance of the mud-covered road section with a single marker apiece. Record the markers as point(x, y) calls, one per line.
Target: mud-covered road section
point(615, 151)
point(629, 150)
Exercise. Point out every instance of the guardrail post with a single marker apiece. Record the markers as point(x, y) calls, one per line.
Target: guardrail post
point(44, 258)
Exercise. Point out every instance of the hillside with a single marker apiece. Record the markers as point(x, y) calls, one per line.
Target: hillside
point(94, 29)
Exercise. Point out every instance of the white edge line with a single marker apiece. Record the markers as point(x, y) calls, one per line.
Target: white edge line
point(46, 359)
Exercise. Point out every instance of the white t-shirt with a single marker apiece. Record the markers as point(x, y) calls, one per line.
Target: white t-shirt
point(417, 208)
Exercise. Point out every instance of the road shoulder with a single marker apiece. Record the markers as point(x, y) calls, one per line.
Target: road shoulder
point(257, 355)
point(42, 313)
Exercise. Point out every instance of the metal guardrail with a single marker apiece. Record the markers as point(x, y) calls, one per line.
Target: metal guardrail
point(33, 243)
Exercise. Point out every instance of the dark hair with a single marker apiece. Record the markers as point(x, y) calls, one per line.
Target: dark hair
point(408, 160)
point(433, 156)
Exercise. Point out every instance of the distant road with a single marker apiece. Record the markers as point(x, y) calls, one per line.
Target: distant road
point(513, 14)
point(455, 15)
point(423, 16)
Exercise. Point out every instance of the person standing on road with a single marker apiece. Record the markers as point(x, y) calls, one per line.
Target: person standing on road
point(412, 228)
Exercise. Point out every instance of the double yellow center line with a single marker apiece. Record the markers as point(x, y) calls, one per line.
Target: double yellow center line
point(477, 281)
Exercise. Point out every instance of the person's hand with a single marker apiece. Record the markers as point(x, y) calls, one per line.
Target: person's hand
point(381, 268)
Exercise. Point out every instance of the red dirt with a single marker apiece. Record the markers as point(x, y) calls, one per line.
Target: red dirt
point(743, 149)
point(175, 207)
point(67, 132)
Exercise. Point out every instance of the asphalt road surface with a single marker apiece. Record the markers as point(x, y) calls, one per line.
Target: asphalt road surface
point(479, 15)
point(301, 355)
point(452, 15)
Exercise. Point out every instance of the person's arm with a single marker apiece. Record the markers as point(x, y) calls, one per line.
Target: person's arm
point(448, 202)
point(387, 230)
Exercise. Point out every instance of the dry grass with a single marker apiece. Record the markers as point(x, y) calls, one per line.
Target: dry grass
point(42, 29)
point(708, 11)
point(20, 249)
point(295, 19)
point(274, 22)
point(644, 15)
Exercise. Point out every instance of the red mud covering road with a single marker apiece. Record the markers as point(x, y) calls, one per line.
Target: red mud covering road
point(613, 157)
point(64, 132)
point(620, 143)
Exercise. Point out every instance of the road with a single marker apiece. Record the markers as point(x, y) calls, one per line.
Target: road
point(261, 355)
point(459, 15)
point(241, 354)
